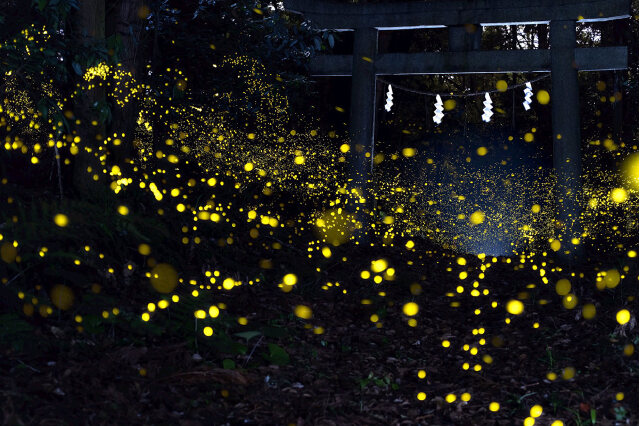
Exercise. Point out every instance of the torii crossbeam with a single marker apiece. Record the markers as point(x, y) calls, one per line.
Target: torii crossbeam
point(563, 60)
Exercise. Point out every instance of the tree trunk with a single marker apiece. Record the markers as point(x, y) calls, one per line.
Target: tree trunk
point(91, 15)
point(126, 23)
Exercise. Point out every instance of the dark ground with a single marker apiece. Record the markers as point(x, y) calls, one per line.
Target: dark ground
point(121, 372)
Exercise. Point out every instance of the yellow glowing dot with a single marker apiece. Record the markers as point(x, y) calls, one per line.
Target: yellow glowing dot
point(589, 311)
point(466, 397)
point(145, 317)
point(302, 311)
point(365, 275)
point(612, 278)
point(326, 252)
point(515, 307)
point(568, 373)
point(482, 151)
point(563, 287)
point(164, 278)
point(551, 376)
point(623, 316)
point(555, 245)
point(8, 253)
point(344, 148)
point(248, 167)
point(379, 265)
point(528, 137)
point(214, 311)
point(494, 406)
point(123, 210)
point(461, 261)
point(142, 372)
point(618, 195)
point(476, 218)
point(450, 398)
point(410, 309)
point(529, 421)
point(535, 208)
point(208, 331)
point(446, 343)
point(228, 283)
point(629, 349)
point(144, 249)
point(408, 152)
point(487, 359)
point(61, 296)
point(632, 253)
point(535, 411)
point(290, 279)
point(422, 374)
point(200, 314)
point(242, 321)
point(449, 104)
point(570, 301)
point(422, 396)
point(619, 396)
point(543, 97)
point(61, 220)
point(463, 275)
point(501, 85)
point(557, 423)
point(409, 245)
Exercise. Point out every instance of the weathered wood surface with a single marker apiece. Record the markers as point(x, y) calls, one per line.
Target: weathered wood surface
point(472, 62)
point(437, 13)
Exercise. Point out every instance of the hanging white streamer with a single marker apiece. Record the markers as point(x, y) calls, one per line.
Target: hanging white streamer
point(389, 103)
point(438, 114)
point(527, 96)
point(488, 106)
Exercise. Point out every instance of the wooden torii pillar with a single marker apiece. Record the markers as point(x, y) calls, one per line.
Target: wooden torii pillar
point(563, 60)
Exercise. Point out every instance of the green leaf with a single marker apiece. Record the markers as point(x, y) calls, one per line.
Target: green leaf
point(277, 355)
point(248, 335)
point(228, 364)
point(42, 4)
point(43, 108)
point(274, 332)
point(76, 68)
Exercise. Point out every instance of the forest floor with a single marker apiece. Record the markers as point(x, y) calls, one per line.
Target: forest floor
point(339, 368)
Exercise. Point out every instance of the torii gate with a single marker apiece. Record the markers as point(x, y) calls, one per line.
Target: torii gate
point(563, 60)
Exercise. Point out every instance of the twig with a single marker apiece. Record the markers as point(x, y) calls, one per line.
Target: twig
point(29, 367)
point(55, 147)
point(18, 275)
point(252, 351)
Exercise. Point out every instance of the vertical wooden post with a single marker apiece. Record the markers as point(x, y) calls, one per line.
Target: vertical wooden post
point(362, 117)
point(565, 110)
